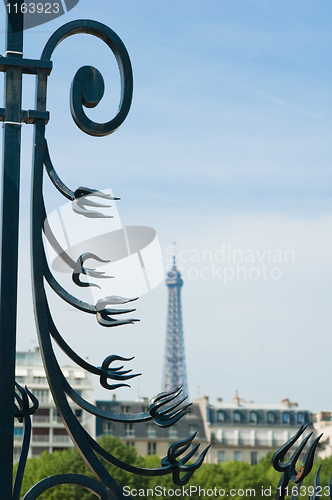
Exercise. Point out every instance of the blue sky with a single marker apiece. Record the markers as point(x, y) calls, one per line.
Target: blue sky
point(228, 142)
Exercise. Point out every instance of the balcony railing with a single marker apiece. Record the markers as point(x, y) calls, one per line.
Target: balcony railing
point(58, 420)
point(267, 443)
point(41, 419)
point(61, 439)
point(40, 438)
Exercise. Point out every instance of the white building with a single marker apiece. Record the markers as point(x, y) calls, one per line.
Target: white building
point(247, 431)
point(323, 424)
point(48, 431)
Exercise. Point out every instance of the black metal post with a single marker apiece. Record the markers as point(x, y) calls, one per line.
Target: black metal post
point(9, 246)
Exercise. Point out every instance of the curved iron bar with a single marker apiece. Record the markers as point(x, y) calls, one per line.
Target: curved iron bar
point(86, 87)
point(164, 418)
point(80, 269)
point(169, 463)
point(162, 415)
point(75, 479)
point(85, 306)
point(54, 242)
point(289, 468)
point(22, 412)
point(161, 418)
point(76, 358)
point(177, 449)
point(65, 190)
point(76, 266)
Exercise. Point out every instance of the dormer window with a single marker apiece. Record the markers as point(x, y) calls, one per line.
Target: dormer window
point(237, 417)
point(221, 417)
point(300, 418)
point(253, 417)
point(286, 418)
point(271, 418)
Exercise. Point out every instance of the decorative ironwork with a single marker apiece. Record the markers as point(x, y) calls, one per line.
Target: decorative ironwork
point(288, 468)
point(165, 409)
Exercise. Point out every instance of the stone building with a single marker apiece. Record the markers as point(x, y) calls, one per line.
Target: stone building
point(147, 437)
point(248, 431)
point(323, 424)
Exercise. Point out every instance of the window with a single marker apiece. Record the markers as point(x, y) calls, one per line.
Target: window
point(56, 417)
point(129, 428)
point(39, 380)
point(238, 456)
point(130, 443)
point(59, 436)
point(173, 432)
point(18, 432)
point(285, 418)
point(151, 431)
point(300, 418)
point(221, 456)
point(42, 416)
point(270, 417)
point(253, 417)
point(237, 417)
point(124, 409)
point(221, 417)
point(108, 428)
point(253, 458)
point(42, 395)
point(152, 448)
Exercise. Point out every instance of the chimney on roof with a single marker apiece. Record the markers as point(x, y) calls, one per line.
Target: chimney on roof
point(288, 403)
point(236, 398)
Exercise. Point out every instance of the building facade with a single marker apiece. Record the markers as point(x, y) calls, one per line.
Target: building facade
point(323, 424)
point(247, 431)
point(147, 437)
point(48, 431)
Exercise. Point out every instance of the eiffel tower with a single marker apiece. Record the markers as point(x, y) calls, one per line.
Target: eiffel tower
point(174, 373)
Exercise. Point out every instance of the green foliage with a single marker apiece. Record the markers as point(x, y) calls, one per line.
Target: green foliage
point(69, 461)
point(227, 476)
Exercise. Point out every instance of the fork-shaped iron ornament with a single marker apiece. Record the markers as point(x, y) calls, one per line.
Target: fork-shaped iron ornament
point(289, 468)
point(166, 408)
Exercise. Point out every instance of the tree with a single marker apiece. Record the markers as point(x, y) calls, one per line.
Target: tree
point(70, 461)
point(238, 480)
